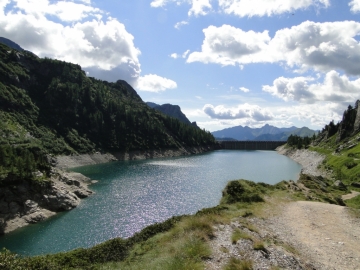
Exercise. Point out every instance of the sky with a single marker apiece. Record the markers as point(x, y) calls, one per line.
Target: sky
point(224, 62)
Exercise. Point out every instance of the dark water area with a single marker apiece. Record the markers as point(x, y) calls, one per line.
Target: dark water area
point(133, 194)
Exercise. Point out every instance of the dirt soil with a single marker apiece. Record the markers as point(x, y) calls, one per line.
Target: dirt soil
point(324, 233)
point(299, 235)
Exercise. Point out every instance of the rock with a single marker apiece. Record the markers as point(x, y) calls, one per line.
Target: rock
point(82, 193)
point(339, 184)
point(38, 174)
point(62, 200)
point(30, 207)
point(34, 217)
point(355, 184)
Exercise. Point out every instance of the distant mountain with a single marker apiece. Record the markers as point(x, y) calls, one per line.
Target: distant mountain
point(265, 133)
point(173, 111)
point(10, 44)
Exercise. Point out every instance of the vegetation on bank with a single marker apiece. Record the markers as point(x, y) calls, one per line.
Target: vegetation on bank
point(51, 107)
point(178, 243)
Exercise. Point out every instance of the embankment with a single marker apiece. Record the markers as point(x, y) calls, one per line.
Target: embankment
point(309, 160)
point(32, 201)
point(65, 162)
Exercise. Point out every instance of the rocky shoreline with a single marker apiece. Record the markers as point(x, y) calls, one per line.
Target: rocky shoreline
point(309, 160)
point(29, 203)
point(66, 162)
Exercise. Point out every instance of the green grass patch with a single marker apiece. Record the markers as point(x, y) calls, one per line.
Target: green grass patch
point(236, 264)
point(239, 234)
point(354, 202)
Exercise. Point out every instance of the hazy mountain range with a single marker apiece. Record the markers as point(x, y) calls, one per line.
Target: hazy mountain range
point(265, 133)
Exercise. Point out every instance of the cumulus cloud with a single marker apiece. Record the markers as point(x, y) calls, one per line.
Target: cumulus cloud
point(97, 45)
point(335, 88)
point(179, 24)
point(242, 111)
point(65, 10)
point(159, 3)
point(243, 89)
point(227, 45)
point(246, 8)
point(155, 83)
point(321, 46)
point(79, 34)
point(176, 55)
point(355, 6)
point(200, 7)
point(250, 8)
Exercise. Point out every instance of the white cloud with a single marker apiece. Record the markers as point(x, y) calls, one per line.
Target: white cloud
point(179, 24)
point(250, 8)
point(200, 7)
point(245, 8)
point(227, 45)
point(355, 6)
point(65, 10)
point(103, 47)
point(253, 112)
point(97, 45)
point(155, 83)
point(159, 3)
point(176, 55)
point(335, 88)
point(320, 46)
point(243, 89)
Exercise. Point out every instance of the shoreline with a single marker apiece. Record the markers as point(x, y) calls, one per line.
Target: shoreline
point(65, 190)
point(309, 160)
point(68, 162)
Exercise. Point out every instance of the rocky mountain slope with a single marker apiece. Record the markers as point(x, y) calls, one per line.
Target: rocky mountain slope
point(172, 111)
point(50, 108)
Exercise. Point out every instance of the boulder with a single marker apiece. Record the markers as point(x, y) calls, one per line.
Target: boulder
point(82, 193)
point(34, 217)
point(355, 184)
point(30, 207)
point(339, 185)
point(60, 200)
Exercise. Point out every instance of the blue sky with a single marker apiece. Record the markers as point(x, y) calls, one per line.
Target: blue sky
point(224, 62)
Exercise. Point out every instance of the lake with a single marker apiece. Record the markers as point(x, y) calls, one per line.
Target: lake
point(133, 194)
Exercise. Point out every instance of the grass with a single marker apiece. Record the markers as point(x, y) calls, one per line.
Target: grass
point(259, 245)
point(236, 264)
point(239, 234)
point(354, 202)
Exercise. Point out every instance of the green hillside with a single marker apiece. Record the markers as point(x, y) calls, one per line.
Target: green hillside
point(51, 107)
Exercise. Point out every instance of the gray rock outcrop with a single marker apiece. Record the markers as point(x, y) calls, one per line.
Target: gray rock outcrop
point(29, 203)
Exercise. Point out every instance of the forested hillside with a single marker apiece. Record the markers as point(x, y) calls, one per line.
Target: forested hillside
point(51, 107)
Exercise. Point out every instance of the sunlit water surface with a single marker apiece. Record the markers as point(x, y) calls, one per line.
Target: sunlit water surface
point(133, 194)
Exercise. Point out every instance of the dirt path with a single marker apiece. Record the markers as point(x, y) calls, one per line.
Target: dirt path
point(326, 234)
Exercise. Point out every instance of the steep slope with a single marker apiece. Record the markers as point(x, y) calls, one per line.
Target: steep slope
point(10, 44)
point(172, 111)
point(50, 106)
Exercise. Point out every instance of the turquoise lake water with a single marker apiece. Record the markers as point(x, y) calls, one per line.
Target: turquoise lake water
point(133, 194)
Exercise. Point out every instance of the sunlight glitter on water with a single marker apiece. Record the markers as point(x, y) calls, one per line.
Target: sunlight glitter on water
point(133, 194)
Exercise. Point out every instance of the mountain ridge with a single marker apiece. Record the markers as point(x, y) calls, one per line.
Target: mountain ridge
point(267, 132)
